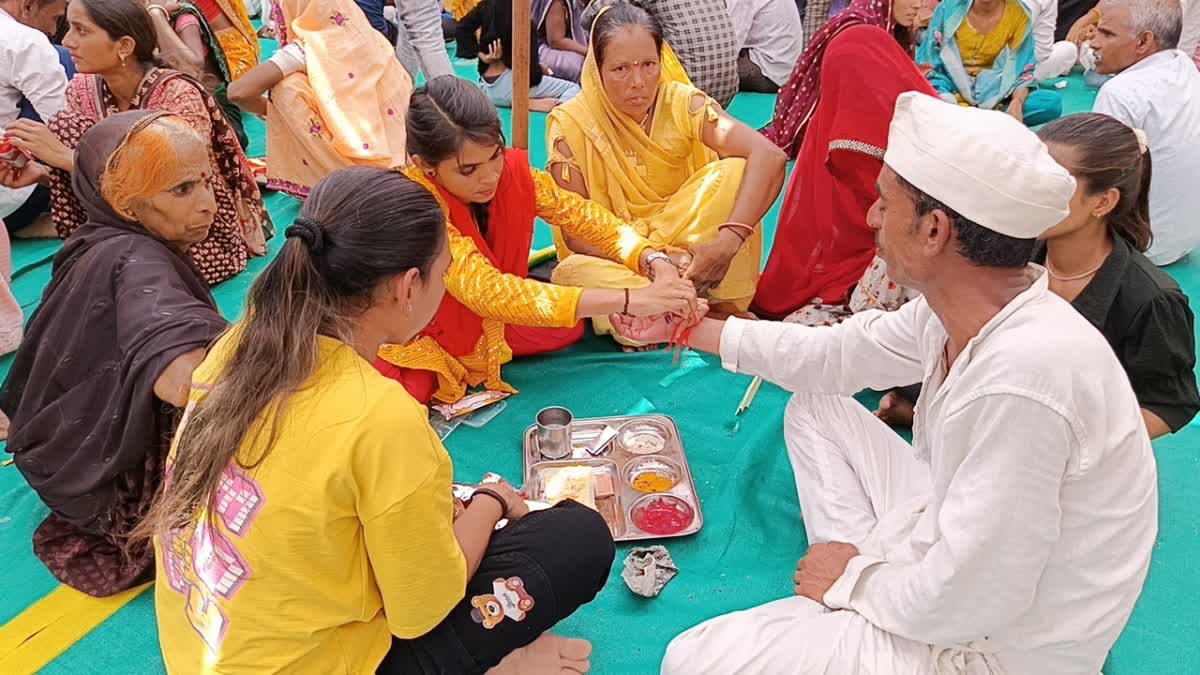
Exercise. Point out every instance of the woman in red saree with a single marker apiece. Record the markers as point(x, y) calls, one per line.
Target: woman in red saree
point(824, 245)
point(491, 311)
point(799, 97)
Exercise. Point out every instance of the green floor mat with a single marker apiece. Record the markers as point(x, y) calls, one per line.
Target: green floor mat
point(753, 533)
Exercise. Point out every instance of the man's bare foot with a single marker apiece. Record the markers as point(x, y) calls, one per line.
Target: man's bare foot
point(895, 410)
point(42, 227)
point(547, 655)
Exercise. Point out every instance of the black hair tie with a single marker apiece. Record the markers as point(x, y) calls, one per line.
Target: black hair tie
point(308, 232)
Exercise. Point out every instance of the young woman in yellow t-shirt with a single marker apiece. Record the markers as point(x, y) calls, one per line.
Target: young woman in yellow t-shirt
point(306, 523)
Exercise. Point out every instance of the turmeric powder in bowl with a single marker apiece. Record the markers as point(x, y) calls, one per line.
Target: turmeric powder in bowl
point(652, 481)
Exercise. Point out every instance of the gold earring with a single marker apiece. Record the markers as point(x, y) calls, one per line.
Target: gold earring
point(122, 60)
point(429, 173)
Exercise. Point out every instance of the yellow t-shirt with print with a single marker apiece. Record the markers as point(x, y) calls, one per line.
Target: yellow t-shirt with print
point(979, 51)
point(342, 537)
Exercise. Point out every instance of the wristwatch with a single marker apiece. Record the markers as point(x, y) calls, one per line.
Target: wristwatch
point(657, 255)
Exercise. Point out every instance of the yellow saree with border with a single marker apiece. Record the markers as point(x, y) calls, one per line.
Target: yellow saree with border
point(668, 184)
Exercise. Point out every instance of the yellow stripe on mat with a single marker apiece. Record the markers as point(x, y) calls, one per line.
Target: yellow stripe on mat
point(38, 635)
point(541, 255)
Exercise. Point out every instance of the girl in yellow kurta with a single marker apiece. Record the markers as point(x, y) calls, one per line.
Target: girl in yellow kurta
point(491, 197)
point(644, 143)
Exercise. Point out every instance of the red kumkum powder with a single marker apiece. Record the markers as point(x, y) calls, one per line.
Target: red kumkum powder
point(662, 516)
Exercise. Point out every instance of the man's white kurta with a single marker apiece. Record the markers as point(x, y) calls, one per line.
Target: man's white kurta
point(1161, 95)
point(30, 69)
point(1035, 541)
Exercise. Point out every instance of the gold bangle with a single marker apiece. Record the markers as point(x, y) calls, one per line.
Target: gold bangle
point(736, 229)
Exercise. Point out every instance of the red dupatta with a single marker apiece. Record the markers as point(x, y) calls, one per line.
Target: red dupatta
point(509, 234)
point(798, 97)
point(823, 244)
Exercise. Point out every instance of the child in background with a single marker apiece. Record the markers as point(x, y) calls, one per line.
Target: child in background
point(486, 33)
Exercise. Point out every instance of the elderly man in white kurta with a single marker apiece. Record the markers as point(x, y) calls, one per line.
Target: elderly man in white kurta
point(1156, 88)
point(1014, 535)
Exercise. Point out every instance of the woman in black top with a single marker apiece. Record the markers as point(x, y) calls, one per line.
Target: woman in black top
point(1094, 259)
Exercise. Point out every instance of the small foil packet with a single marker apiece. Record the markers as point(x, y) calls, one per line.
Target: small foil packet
point(464, 491)
point(470, 403)
point(648, 570)
point(493, 477)
point(11, 154)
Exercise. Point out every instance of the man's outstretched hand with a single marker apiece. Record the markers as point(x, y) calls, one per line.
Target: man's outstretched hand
point(823, 565)
point(661, 329)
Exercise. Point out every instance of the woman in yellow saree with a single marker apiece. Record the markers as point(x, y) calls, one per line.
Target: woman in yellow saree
point(647, 145)
point(230, 24)
point(337, 98)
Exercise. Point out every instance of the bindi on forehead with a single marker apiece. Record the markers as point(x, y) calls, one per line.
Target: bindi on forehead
point(617, 63)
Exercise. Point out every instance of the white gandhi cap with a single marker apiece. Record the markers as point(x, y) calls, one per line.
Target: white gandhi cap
point(984, 164)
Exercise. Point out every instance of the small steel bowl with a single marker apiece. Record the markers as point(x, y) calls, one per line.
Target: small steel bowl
point(643, 437)
point(652, 464)
point(687, 514)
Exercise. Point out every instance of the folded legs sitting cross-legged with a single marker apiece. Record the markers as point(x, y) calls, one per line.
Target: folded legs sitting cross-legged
point(986, 545)
point(643, 142)
point(321, 489)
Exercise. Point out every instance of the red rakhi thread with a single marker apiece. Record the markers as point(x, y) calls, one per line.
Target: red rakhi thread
point(679, 337)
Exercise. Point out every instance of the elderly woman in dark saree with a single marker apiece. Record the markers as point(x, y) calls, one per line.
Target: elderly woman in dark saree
point(94, 389)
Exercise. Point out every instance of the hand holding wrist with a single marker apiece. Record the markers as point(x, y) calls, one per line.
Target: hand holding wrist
point(651, 261)
point(663, 268)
